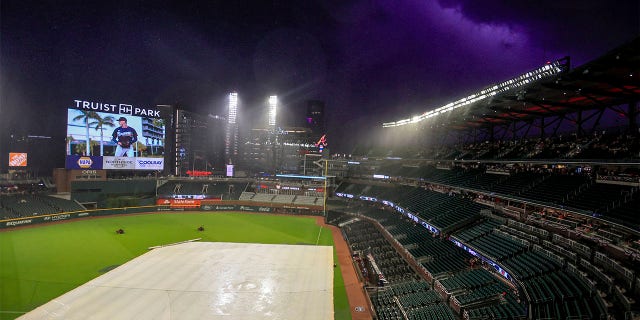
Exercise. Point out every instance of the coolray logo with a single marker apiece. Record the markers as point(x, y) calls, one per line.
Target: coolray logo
point(60, 217)
point(121, 108)
point(149, 164)
point(18, 222)
point(84, 162)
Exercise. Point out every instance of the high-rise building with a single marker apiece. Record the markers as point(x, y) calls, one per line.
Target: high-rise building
point(231, 132)
point(197, 142)
point(282, 151)
point(315, 118)
point(273, 108)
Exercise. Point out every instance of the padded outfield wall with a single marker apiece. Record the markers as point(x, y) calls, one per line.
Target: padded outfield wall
point(203, 206)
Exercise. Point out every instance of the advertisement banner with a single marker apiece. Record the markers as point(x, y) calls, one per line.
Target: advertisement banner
point(218, 207)
point(149, 163)
point(83, 162)
point(181, 203)
point(17, 159)
point(118, 163)
point(43, 219)
point(255, 209)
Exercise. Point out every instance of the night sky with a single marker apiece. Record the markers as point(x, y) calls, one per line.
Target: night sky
point(370, 61)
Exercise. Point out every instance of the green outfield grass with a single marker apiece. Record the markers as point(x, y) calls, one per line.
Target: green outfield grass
point(41, 263)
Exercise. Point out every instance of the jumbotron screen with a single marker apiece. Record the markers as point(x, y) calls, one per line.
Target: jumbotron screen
point(114, 137)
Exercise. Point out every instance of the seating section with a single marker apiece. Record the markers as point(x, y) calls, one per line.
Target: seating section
point(472, 289)
point(555, 188)
point(538, 184)
point(206, 188)
point(497, 246)
point(263, 197)
point(246, 196)
point(440, 209)
point(441, 259)
point(308, 200)
point(283, 198)
point(16, 206)
point(365, 238)
point(416, 299)
point(559, 295)
point(598, 197)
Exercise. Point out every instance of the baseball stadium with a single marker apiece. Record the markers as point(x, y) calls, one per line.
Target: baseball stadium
point(520, 200)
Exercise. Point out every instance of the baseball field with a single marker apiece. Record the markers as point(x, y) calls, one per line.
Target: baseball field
point(40, 263)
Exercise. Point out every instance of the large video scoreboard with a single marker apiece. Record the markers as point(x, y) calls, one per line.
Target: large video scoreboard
point(115, 136)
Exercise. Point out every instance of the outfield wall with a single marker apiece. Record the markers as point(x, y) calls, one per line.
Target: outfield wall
point(218, 206)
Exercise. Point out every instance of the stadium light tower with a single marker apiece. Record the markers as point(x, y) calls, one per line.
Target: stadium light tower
point(549, 70)
point(273, 107)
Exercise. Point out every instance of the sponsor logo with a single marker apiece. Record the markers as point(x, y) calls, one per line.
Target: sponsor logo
point(84, 214)
point(84, 162)
point(118, 163)
point(60, 217)
point(184, 201)
point(46, 218)
point(17, 159)
point(243, 208)
point(264, 209)
point(18, 222)
point(225, 208)
point(150, 164)
point(117, 108)
point(89, 172)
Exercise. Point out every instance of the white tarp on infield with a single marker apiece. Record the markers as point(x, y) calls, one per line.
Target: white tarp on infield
point(207, 280)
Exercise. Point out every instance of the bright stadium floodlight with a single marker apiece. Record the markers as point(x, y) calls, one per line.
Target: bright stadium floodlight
point(273, 106)
point(233, 107)
point(545, 71)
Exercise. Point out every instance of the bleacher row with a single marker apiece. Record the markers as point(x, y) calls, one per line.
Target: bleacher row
point(550, 281)
point(281, 198)
point(16, 206)
point(208, 189)
point(581, 193)
point(612, 145)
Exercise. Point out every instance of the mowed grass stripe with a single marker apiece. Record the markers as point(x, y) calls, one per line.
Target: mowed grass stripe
point(41, 263)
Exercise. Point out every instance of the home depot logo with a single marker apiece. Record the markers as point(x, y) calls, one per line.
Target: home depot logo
point(85, 162)
point(17, 159)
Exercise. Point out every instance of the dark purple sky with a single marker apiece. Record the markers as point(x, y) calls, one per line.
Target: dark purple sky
point(370, 60)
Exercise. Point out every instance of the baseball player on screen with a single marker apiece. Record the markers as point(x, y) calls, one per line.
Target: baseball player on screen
point(124, 136)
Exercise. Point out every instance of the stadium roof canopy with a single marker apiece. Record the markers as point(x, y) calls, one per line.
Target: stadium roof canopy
point(610, 80)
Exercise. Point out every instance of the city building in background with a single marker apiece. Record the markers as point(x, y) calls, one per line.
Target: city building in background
point(282, 151)
point(315, 118)
point(198, 143)
point(231, 132)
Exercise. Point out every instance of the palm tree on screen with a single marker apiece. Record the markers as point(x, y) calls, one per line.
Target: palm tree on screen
point(86, 116)
point(99, 124)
